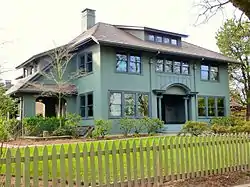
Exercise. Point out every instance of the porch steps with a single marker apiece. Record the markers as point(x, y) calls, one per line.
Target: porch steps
point(171, 129)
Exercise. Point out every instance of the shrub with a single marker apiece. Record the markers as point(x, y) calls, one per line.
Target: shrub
point(217, 128)
point(152, 125)
point(127, 125)
point(13, 127)
point(4, 135)
point(60, 131)
point(138, 126)
point(71, 125)
point(194, 128)
point(34, 126)
point(225, 121)
point(102, 128)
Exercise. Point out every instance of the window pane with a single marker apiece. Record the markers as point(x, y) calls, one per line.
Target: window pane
point(220, 106)
point(204, 67)
point(151, 37)
point(211, 106)
point(214, 68)
point(82, 111)
point(177, 67)
point(214, 76)
point(159, 65)
point(129, 104)
point(121, 62)
point(185, 68)
point(90, 111)
point(116, 98)
point(89, 67)
point(90, 99)
point(115, 110)
point(82, 100)
point(204, 75)
point(173, 41)
point(115, 104)
point(89, 57)
point(166, 40)
point(135, 64)
point(159, 39)
point(168, 66)
point(82, 62)
point(201, 106)
point(142, 105)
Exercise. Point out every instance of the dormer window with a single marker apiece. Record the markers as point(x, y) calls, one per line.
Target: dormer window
point(166, 40)
point(173, 41)
point(158, 39)
point(25, 72)
point(151, 37)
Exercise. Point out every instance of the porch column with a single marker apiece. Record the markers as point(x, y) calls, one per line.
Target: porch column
point(186, 107)
point(159, 105)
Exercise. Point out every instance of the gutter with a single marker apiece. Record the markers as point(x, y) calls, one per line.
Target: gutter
point(147, 49)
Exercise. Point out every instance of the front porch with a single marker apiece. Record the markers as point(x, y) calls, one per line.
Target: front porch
point(175, 106)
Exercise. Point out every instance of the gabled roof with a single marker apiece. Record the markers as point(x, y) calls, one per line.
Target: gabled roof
point(103, 33)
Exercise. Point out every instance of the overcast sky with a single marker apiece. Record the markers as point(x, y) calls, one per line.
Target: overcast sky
point(31, 26)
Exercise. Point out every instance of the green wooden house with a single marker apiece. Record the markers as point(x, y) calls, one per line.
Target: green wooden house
point(132, 71)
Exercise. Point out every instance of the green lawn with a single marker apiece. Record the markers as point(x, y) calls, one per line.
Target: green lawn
point(173, 161)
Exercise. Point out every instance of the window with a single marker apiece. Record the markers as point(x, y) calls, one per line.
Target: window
point(86, 105)
point(135, 64)
point(86, 62)
point(159, 65)
point(128, 104)
point(201, 106)
point(220, 106)
point(158, 39)
point(185, 68)
point(209, 72)
point(142, 103)
point(166, 40)
point(151, 37)
point(25, 72)
point(115, 105)
point(128, 63)
point(173, 41)
point(209, 106)
point(177, 67)
point(168, 66)
point(172, 66)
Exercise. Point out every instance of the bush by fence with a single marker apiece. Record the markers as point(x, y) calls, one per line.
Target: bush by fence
point(127, 162)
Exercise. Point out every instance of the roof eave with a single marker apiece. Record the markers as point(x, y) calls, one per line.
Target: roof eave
point(167, 52)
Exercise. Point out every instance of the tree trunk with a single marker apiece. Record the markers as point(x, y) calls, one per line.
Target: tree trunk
point(248, 106)
point(59, 108)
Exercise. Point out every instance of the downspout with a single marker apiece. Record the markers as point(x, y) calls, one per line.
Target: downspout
point(150, 79)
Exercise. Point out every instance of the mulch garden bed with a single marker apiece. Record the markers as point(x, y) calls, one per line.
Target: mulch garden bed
point(225, 180)
point(29, 141)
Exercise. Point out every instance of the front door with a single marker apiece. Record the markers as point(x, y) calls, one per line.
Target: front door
point(173, 109)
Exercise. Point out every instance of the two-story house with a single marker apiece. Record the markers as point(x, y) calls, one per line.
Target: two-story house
point(132, 72)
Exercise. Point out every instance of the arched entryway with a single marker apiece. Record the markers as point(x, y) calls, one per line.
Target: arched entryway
point(48, 106)
point(173, 104)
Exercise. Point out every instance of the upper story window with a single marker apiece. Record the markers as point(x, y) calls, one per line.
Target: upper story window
point(151, 37)
point(128, 63)
point(163, 39)
point(209, 72)
point(25, 72)
point(86, 105)
point(169, 66)
point(86, 62)
point(158, 39)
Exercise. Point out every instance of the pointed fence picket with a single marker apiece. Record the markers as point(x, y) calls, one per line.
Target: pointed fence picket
point(143, 162)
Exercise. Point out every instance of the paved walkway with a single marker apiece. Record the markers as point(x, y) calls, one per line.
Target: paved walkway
point(243, 185)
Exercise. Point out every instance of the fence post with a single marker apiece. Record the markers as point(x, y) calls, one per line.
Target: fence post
point(70, 167)
point(62, 167)
point(45, 166)
point(77, 159)
point(99, 152)
point(18, 168)
point(85, 166)
point(26, 167)
point(121, 163)
point(8, 168)
point(142, 164)
point(114, 161)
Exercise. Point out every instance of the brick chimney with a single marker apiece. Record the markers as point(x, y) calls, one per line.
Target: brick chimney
point(88, 19)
